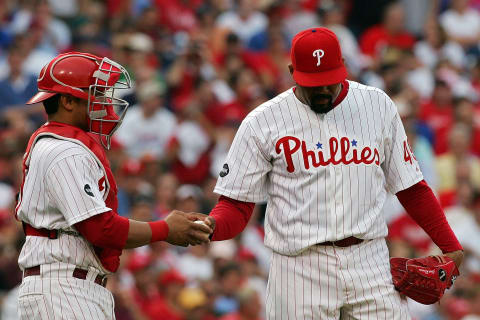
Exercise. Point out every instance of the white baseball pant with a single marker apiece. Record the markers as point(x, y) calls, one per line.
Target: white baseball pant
point(55, 294)
point(329, 282)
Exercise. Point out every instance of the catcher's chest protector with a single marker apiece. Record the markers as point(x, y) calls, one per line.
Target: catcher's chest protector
point(108, 257)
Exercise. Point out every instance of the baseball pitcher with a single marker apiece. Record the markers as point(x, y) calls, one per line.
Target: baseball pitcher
point(324, 154)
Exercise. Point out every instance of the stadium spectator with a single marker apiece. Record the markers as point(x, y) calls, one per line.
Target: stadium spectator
point(166, 189)
point(230, 279)
point(131, 185)
point(438, 114)
point(191, 143)
point(462, 24)
point(37, 15)
point(436, 46)
point(188, 198)
point(249, 306)
point(16, 87)
point(195, 303)
point(143, 293)
point(148, 126)
point(195, 264)
point(333, 17)
point(457, 163)
point(391, 33)
point(170, 285)
point(245, 21)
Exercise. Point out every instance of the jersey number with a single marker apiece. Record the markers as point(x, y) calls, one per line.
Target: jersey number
point(407, 152)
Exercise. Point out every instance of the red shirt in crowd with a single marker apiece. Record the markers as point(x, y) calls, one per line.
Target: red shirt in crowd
point(222, 113)
point(475, 138)
point(440, 119)
point(376, 38)
point(261, 63)
point(154, 306)
point(178, 15)
point(161, 310)
point(193, 174)
point(406, 229)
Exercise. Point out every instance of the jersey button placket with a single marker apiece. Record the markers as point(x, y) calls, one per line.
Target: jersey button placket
point(338, 177)
point(330, 175)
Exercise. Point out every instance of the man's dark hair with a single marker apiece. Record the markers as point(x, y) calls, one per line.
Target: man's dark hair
point(51, 104)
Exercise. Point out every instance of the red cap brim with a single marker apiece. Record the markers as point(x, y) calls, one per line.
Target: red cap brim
point(40, 96)
point(318, 79)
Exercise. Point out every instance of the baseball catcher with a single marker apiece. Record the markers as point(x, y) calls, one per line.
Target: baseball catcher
point(68, 198)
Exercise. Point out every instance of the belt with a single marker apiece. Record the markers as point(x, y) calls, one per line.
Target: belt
point(347, 242)
point(77, 273)
point(47, 233)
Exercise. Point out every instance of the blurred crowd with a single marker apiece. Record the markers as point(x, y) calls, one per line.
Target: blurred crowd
point(199, 66)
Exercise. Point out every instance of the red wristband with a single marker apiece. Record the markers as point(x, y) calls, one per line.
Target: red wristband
point(159, 230)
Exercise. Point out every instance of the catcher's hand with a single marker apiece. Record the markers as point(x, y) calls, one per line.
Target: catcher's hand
point(423, 279)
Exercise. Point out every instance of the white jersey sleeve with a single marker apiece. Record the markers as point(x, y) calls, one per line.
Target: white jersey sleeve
point(400, 166)
point(244, 174)
point(72, 185)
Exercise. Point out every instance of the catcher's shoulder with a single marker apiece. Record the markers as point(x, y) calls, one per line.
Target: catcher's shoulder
point(52, 148)
point(50, 151)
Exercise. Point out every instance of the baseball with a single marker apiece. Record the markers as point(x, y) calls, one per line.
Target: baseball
point(201, 222)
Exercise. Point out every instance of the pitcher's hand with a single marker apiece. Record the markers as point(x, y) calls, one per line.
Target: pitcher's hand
point(456, 256)
point(183, 231)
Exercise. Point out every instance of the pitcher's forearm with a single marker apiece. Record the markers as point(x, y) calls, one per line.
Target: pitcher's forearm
point(231, 216)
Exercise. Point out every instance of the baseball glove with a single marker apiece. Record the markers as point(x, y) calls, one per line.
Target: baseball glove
point(423, 279)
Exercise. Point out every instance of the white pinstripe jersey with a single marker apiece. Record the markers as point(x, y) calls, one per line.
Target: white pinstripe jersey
point(62, 187)
point(325, 176)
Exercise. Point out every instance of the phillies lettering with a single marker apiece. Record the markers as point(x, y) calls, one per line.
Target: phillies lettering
point(343, 148)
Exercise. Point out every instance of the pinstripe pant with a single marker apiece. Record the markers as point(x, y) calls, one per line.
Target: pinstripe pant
point(55, 294)
point(327, 282)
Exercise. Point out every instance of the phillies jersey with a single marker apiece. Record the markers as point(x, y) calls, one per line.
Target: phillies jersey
point(64, 185)
point(325, 176)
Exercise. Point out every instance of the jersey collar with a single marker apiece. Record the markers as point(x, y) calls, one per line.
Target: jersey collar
point(342, 94)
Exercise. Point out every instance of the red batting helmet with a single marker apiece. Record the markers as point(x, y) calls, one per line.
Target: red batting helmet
point(92, 78)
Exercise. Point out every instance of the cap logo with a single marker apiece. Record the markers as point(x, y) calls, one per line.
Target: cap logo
point(319, 53)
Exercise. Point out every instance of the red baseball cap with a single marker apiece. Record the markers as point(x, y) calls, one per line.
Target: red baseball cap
point(317, 58)
point(138, 261)
point(171, 276)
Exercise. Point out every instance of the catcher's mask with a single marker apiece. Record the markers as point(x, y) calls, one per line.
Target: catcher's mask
point(74, 73)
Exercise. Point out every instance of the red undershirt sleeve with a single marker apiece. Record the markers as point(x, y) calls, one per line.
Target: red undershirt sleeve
point(105, 230)
point(231, 217)
point(422, 205)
